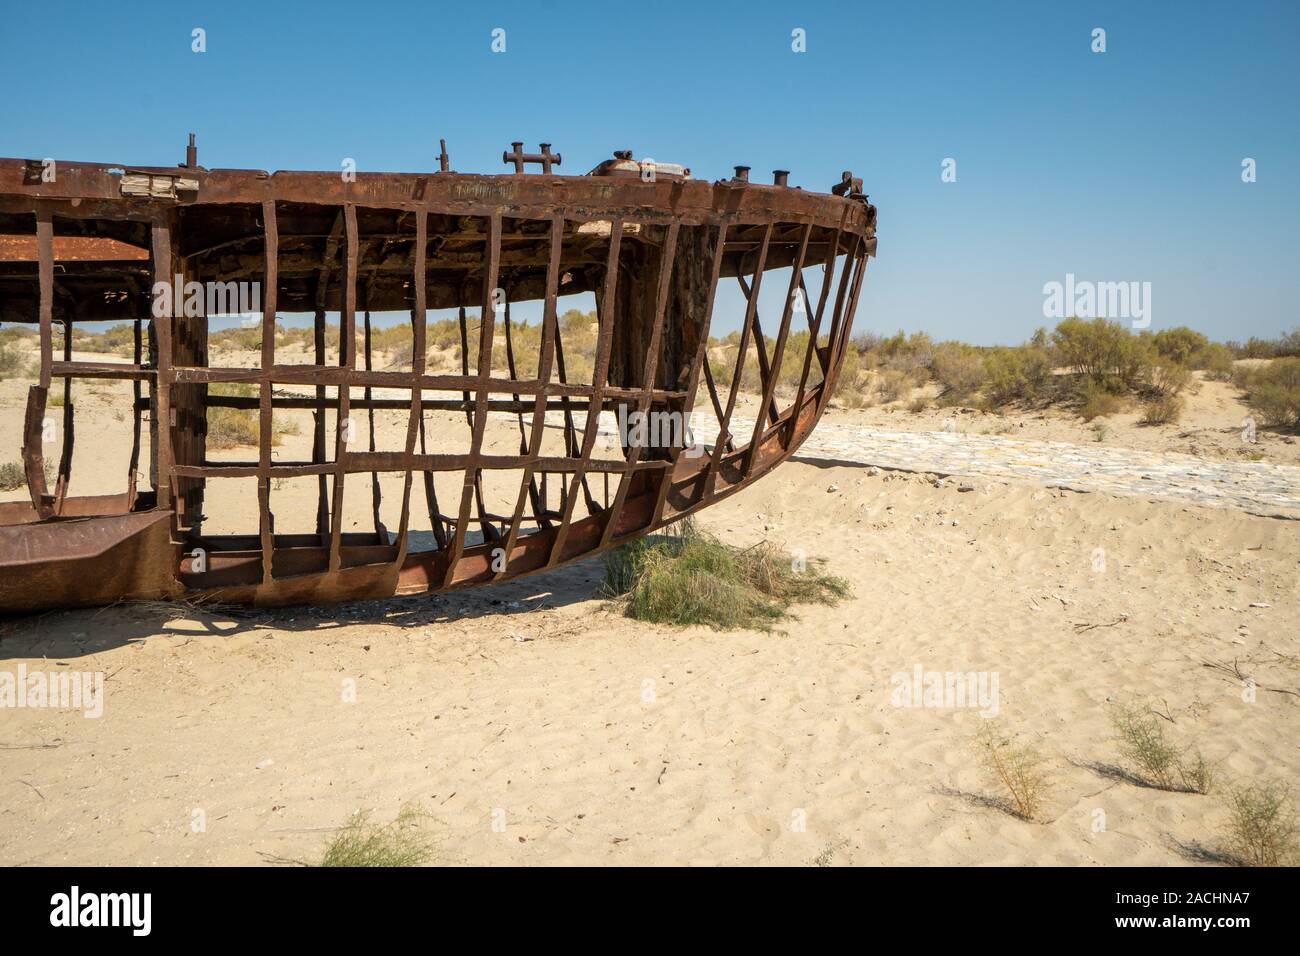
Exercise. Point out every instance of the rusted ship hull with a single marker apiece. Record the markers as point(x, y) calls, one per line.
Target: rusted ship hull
point(97, 243)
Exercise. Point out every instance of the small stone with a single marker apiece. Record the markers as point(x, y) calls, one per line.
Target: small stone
point(832, 489)
point(263, 764)
point(965, 487)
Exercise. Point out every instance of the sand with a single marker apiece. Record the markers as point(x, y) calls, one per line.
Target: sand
point(534, 724)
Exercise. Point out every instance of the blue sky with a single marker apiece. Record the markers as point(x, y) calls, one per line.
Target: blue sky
point(1115, 166)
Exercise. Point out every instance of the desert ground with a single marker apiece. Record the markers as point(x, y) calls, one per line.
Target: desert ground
point(533, 723)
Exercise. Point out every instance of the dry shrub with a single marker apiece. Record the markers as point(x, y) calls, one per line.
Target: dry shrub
point(893, 384)
point(1098, 403)
point(11, 361)
point(860, 398)
point(1167, 378)
point(1261, 829)
point(1155, 760)
point(1162, 410)
point(1019, 770)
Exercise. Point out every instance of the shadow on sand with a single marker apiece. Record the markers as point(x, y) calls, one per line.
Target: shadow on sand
point(80, 632)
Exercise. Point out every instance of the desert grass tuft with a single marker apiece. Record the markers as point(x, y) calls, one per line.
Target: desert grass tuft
point(1152, 758)
point(690, 577)
point(827, 856)
point(403, 842)
point(1261, 829)
point(1018, 768)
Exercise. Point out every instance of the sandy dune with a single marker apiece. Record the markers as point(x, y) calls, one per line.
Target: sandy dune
point(597, 739)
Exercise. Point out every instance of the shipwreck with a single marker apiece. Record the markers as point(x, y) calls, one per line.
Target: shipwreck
point(94, 243)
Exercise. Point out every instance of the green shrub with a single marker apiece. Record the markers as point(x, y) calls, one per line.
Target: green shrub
point(239, 338)
point(720, 368)
point(362, 843)
point(233, 427)
point(1280, 347)
point(1179, 345)
point(17, 334)
point(796, 347)
point(1216, 359)
point(1104, 352)
point(692, 578)
point(958, 369)
point(12, 476)
point(1016, 374)
point(119, 338)
point(1273, 391)
point(866, 342)
point(905, 353)
point(850, 372)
